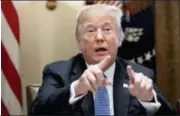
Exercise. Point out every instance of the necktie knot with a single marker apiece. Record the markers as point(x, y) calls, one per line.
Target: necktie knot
point(104, 76)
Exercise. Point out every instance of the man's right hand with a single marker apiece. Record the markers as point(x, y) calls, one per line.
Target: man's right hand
point(92, 78)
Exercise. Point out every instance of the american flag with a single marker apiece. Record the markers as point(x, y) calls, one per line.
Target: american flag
point(110, 2)
point(129, 7)
point(122, 4)
point(11, 95)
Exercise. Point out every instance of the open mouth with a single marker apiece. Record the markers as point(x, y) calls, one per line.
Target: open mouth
point(101, 50)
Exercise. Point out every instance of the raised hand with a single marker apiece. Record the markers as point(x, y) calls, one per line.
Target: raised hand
point(92, 78)
point(140, 85)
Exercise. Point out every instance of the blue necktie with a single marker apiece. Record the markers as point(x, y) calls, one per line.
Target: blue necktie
point(101, 103)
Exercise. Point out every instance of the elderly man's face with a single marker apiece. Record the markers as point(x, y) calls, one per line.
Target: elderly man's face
point(98, 37)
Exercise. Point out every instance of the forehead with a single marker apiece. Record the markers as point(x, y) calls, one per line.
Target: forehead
point(98, 18)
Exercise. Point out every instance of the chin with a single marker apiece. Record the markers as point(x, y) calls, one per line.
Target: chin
point(97, 59)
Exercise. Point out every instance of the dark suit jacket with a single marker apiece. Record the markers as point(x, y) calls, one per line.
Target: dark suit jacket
point(54, 94)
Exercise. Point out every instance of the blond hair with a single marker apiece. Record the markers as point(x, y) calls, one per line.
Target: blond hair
point(109, 8)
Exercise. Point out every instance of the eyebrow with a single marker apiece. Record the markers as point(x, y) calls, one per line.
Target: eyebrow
point(102, 24)
point(88, 25)
point(107, 24)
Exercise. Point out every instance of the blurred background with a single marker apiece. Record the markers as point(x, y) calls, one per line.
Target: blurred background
point(35, 33)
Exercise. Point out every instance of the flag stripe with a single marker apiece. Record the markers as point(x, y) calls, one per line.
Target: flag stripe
point(111, 2)
point(10, 43)
point(9, 99)
point(99, 2)
point(12, 17)
point(118, 4)
point(105, 2)
point(11, 74)
point(4, 109)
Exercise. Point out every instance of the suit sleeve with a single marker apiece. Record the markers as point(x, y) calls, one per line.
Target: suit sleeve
point(53, 96)
point(73, 98)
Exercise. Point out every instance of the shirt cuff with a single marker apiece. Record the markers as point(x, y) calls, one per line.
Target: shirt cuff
point(151, 107)
point(73, 98)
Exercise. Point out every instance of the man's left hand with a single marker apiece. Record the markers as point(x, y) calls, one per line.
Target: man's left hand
point(140, 85)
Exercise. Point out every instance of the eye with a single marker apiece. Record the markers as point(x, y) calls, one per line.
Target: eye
point(107, 29)
point(90, 30)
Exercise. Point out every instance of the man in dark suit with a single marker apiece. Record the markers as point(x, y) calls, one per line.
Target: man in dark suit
point(96, 81)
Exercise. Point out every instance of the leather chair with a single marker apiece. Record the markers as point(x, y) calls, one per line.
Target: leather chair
point(31, 92)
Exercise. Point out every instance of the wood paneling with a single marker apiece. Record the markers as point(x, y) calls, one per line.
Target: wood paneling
point(167, 21)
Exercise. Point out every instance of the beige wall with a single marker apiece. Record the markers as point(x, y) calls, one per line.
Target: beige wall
point(46, 36)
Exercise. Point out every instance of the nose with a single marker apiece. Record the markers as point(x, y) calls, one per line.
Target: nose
point(99, 35)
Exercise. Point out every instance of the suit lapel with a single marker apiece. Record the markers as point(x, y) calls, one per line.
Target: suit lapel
point(121, 94)
point(120, 91)
point(87, 104)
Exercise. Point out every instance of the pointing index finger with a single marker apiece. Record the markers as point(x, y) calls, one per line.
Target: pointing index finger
point(103, 65)
point(130, 72)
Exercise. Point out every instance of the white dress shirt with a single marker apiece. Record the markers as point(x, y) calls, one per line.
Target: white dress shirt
point(151, 107)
